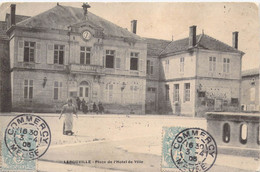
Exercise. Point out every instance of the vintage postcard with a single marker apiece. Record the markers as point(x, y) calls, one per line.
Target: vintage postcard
point(133, 86)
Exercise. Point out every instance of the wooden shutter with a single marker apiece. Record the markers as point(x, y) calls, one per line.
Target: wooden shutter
point(104, 58)
point(142, 65)
point(38, 53)
point(66, 54)
point(20, 51)
point(118, 60)
point(50, 54)
point(127, 61)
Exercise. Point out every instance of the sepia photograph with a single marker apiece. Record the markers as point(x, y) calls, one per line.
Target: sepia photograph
point(129, 86)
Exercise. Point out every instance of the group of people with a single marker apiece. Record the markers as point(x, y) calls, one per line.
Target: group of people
point(89, 106)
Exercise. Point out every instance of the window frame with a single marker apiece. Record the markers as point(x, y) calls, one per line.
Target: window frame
point(134, 56)
point(212, 63)
point(60, 51)
point(186, 92)
point(29, 47)
point(59, 90)
point(28, 94)
point(226, 65)
point(149, 67)
point(110, 53)
point(86, 51)
point(176, 92)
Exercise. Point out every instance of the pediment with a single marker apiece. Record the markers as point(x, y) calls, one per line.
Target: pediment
point(79, 27)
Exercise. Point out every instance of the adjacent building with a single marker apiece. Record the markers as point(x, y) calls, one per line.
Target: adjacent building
point(250, 90)
point(70, 52)
point(198, 74)
point(5, 82)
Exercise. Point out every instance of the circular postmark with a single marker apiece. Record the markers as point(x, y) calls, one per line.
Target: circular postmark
point(27, 136)
point(193, 149)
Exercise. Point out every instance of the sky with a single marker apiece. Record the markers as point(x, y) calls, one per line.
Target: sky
point(172, 20)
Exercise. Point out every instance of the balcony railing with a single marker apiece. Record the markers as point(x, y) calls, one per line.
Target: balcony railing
point(86, 68)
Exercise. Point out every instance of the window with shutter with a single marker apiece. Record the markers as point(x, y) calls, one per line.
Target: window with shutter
point(110, 57)
point(134, 61)
point(59, 54)
point(29, 51)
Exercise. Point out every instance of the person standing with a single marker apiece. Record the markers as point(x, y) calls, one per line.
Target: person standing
point(84, 107)
point(78, 102)
point(95, 110)
point(68, 110)
point(100, 108)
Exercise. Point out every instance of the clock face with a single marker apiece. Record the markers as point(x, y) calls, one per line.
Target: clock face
point(86, 35)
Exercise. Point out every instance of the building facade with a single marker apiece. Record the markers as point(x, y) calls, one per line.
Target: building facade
point(70, 52)
point(199, 74)
point(250, 90)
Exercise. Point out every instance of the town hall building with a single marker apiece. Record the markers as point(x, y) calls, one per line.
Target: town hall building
point(70, 52)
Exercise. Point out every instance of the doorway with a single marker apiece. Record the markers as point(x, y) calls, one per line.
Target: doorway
point(84, 91)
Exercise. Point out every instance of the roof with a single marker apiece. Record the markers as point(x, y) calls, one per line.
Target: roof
point(3, 35)
point(6, 24)
point(156, 46)
point(60, 17)
point(18, 18)
point(203, 42)
point(250, 72)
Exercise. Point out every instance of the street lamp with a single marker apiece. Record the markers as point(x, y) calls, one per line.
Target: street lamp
point(44, 82)
point(123, 86)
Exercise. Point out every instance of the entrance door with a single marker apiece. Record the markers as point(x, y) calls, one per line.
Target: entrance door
point(84, 91)
point(151, 100)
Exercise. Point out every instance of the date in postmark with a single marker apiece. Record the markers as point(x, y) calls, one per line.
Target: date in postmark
point(188, 149)
point(27, 137)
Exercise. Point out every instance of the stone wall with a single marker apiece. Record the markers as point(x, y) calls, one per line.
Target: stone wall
point(5, 88)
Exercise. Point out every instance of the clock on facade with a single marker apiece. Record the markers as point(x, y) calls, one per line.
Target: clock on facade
point(86, 35)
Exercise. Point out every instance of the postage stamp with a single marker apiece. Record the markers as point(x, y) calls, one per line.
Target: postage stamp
point(27, 137)
point(187, 149)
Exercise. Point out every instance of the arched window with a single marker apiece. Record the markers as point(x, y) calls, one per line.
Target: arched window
point(84, 83)
point(84, 89)
point(226, 133)
point(243, 133)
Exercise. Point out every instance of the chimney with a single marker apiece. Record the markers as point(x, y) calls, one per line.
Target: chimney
point(192, 36)
point(12, 14)
point(235, 40)
point(133, 26)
